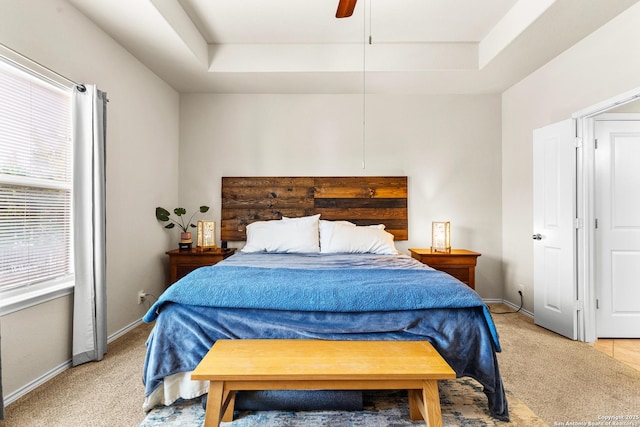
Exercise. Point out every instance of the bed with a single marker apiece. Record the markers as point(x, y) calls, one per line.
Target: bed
point(300, 276)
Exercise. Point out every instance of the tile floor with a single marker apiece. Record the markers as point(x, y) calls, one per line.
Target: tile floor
point(624, 350)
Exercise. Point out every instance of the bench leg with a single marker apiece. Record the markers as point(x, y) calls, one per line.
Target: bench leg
point(213, 412)
point(229, 402)
point(425, 404)
point(415, 405)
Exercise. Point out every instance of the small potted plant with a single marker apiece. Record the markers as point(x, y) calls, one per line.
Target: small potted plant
point(185, 236)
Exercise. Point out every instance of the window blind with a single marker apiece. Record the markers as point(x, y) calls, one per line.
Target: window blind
point(35, 180)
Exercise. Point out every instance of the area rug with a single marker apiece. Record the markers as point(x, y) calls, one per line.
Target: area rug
point(463, 404)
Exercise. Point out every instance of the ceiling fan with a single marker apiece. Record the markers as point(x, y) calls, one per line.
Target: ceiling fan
point(345, 8)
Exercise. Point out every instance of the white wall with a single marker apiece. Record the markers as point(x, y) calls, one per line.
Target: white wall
point(142, 173)
point(601, 66)
point(448, 146)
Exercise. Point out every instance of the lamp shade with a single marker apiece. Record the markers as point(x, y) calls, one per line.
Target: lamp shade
point(441, 236)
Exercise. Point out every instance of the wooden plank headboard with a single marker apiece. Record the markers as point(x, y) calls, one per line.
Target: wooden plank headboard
point(362, 200)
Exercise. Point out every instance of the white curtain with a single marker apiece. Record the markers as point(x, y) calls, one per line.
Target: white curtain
point(90, 299)
point(1, 399)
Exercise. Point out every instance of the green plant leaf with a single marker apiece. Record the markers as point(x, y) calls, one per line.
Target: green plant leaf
point(162, 214)
point(184, 224)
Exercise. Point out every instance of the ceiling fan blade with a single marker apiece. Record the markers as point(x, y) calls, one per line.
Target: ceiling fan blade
point(345, 8)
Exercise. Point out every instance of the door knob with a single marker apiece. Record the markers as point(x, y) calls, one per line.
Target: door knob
point(537, 236)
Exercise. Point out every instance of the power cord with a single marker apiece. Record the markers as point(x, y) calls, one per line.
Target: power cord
point(148, 302)
point(156, 298)
point(510, 312)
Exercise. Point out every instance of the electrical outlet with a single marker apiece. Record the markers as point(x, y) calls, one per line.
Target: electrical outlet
point(521, 290)
point(141, 296)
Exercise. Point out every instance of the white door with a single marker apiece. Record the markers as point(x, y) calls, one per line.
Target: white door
point(617, 237)
point(554, 232)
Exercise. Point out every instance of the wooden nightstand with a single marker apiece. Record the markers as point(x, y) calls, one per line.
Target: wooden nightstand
point(183, 262)
point(460, 263)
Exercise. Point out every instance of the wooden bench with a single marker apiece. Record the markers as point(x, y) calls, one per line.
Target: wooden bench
point(233, 365)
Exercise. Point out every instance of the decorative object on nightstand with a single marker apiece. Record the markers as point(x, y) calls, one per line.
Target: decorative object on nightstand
point(441, 236)
point(183, 262)
point(185, 241)
point(460, 263)
point(185, 236)
point(206, 235)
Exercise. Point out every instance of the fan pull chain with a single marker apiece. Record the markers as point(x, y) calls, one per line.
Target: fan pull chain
point(364, 84)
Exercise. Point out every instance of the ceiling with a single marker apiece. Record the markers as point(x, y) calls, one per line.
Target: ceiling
point(298, 46)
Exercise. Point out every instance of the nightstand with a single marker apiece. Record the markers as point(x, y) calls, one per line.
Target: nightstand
point(460, 263)
point(183, 262)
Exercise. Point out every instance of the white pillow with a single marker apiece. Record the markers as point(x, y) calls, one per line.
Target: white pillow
point(327, 225)
point(311, 219)
point(294, 235)
point(343, 236)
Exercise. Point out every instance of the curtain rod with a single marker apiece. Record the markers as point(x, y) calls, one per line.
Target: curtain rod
point(35, 68)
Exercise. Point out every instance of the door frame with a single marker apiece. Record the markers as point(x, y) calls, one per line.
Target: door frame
point(585, 210)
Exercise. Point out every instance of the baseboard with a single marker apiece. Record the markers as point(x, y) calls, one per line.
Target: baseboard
point(12, 397)
point(124, 330)
point(32, 385)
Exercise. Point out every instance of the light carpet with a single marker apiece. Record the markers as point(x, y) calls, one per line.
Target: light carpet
point(463, 404)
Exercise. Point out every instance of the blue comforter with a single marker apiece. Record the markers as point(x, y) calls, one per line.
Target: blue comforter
point(323, 297)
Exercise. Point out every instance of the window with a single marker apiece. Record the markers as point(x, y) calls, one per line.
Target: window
point(36, 151)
